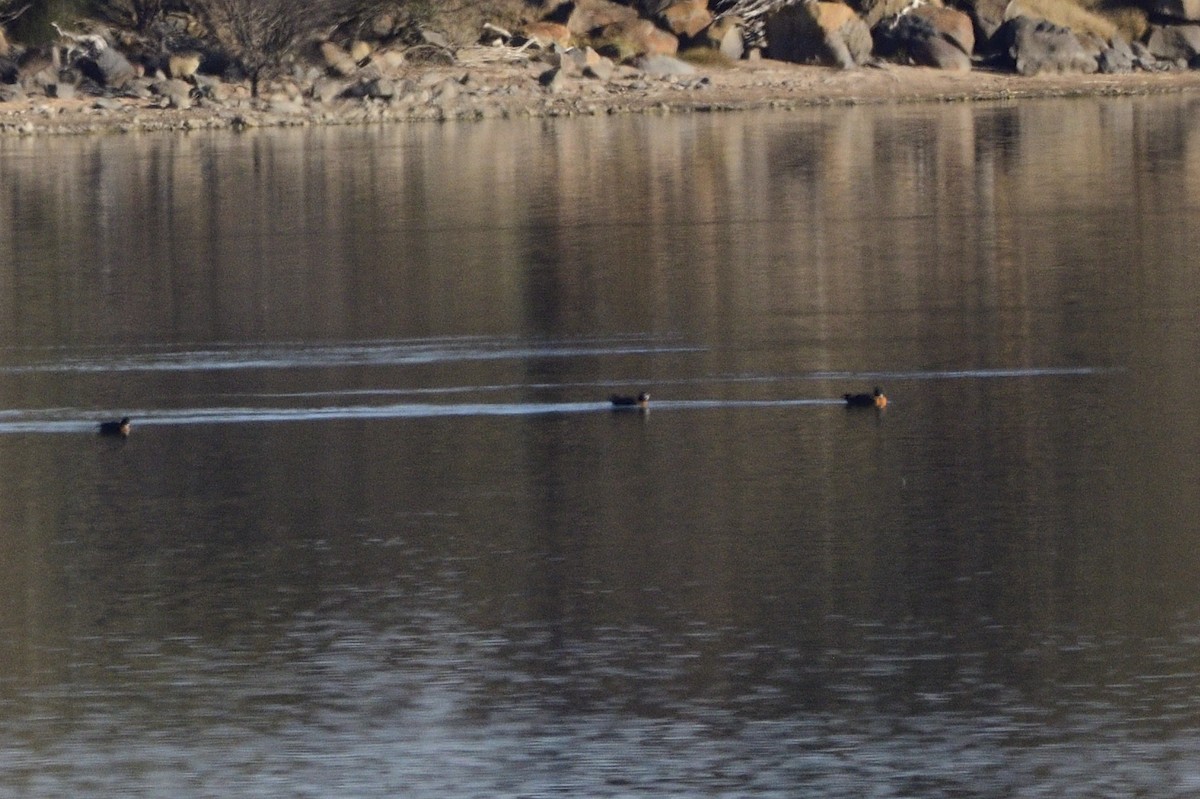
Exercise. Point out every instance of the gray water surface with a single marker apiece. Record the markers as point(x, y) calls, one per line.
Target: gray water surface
point(377, 531)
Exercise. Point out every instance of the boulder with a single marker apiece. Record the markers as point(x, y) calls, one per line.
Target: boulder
point(389, 61)
point(324, 90)
point(36, 63)
point(951, 24)
point(652, 8)
point(11, 93)
point(686, 18)
point(601, 70)
point(818, 33)
point(286, 106)
point(108, 67)
point(578, 60)
point(360, 51)
point(664, 66)
point(636, 38)
point(174, 93)
point(61, 90)
point(725, 35)
point(1184, 10)
point(183, 65)
point(585, 16)
point(913, 39)
point(930, 36)
point(379, 89)
point(337, 60)
point(1144, 59)
point(1174, 42)
point(545, 34)
point(1033, 46)
point(1117, 58)
point(988, 16)
point(553, 80)
point(874, 12)
point(211, 88)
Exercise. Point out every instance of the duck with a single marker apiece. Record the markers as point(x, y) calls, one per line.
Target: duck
point(876, 399)
point(116, 427)
point(641, 401)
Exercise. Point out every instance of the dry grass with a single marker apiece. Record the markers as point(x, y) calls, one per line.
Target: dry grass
point(706, 57)
point(462, 20)
point(1067, 13)
point(1133, 22)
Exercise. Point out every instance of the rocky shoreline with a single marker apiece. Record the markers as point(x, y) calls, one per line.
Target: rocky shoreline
point(487, 83)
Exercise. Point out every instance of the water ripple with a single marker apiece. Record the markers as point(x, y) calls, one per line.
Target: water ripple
point(372, 353)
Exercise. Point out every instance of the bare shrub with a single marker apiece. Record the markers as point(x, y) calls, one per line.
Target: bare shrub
point(260, 34)
point(403, 20)
point(140, 15)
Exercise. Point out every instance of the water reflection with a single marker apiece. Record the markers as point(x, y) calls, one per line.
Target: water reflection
point(446, 567)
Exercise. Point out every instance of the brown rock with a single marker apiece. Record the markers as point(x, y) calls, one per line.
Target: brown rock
point(638, 37)
point(950, 23)
point(586, 16)
point(544, 34)
point(988, 16)
point(686, 18)
point(821, 33)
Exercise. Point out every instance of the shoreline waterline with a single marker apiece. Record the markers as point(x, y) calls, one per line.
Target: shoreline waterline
point(502, 90)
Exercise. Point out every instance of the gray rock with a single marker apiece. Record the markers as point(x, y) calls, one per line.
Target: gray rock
point(286, 106)
point(731, 42)
point(1143, 58)
point(662, 66)
point(435, 38)
point(916, 39)
point(601, 70)
point(173, 93)
point(1174, 42)
point(138, 89)
point(1186, 10)
point(1036, 46)
point(988, 16)
point(325, 90)
point(61, 90)
point(446, 92)
point(108, 68)
point(211, 88)
point(379, 89)
point(1116, 59)
point(553, 80)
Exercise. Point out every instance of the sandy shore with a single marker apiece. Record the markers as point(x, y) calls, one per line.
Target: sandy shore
point(490, 87)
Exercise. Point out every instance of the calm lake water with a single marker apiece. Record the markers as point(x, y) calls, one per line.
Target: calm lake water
point(377, 533)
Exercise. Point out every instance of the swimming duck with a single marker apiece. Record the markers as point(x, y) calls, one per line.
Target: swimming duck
point(875, 399)
point(115, 428)
point(640, 401)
